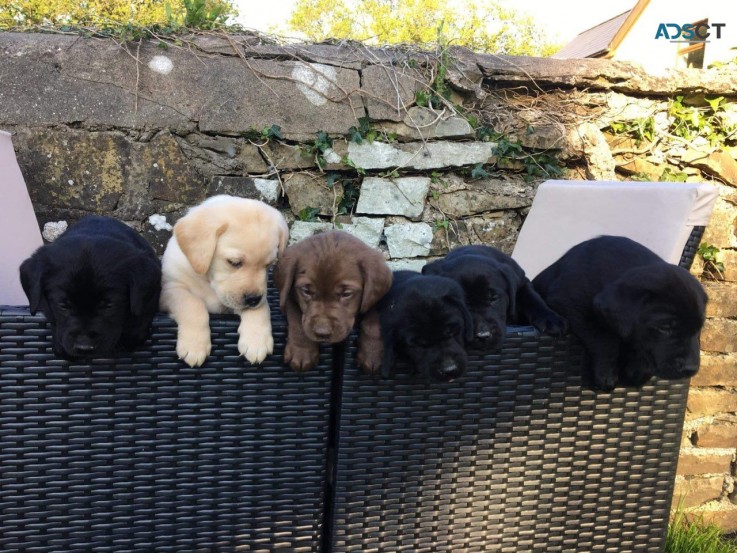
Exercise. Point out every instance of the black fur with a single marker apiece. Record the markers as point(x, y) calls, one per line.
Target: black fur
point(98, 285)
point(637, 315)
point(425, 322)
point(497, 293)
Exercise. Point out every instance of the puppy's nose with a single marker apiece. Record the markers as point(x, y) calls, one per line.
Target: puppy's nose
point(83, 348)
point(322, 333)
point(449, 370)
point(252, 300)
point(483, 333)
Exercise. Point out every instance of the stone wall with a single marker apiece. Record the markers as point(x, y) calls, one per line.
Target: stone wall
point(339, 135)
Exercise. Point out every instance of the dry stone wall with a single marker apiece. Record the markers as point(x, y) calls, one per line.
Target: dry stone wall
point(340, 135)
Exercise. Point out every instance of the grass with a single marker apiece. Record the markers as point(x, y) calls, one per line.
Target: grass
point(693, 535)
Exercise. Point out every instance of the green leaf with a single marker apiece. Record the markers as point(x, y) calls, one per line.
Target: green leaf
point(478, 171)
point(332, 178)
point(308, 214)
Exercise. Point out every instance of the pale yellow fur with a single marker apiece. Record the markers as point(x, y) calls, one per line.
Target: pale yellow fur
point(197, 278)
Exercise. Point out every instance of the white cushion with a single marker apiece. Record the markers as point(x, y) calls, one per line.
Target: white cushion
point(658, 215)
point(19, 234)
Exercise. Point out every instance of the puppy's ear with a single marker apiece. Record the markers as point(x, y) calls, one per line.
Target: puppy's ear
point(619, 305)
point(32, 274)
point(433, 268)
point(144, 284)
point(513, 285)
point(377, 278)
point(284, 271)
point(197, 234)
point(459, 303)
point(283, 234)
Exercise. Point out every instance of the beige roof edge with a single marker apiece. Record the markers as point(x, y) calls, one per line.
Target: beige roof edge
point(625, 27)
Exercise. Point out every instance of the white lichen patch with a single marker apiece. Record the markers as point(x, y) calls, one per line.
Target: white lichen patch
point(331, 156)
point(159, 222)
point(53, 229)
point(161, 65)
point(314, 81)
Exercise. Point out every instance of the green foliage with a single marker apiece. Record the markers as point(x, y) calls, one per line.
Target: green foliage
point(669, 175)
point(308, 214)
point(534, 163)
point(121, 18)
point(712, 266)
point(272, 132)
point(348, 200)
point(201, 14)
point(443, 224)
point(487, 134)
point(422, 98)
point(639, 129)
point(727, 63)
point(640, 177)
point(362, 132)
point(696, 536)
point(317, 148)
point(690, 122)
point(481, 25)
point(350, 163)
point(478, 171)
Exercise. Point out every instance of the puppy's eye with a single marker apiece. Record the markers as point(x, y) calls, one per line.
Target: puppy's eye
point(494, 298)
point(235, 263)
point(450, 331)
point(306, 292)
point(665, 330)
point(346, 294)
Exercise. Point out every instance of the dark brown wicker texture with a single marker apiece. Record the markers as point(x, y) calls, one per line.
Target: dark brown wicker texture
point(142, 453)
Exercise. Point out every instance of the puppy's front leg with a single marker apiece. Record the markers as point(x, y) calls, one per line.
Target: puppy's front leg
point(538, 314)
point(255, 341)
point(300, 352)
point(370, 344)
point(193, 325)
point(603, 351)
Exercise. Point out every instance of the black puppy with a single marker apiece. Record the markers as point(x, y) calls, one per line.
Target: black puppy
point(636, 315)
point(98, 285)
point(425, 322)
point(497, 292)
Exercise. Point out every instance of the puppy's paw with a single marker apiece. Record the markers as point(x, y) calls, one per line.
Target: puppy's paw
point(606, 382)
point(193, 347)
point(301, 358)
point(369, 359)
point(550, 323)
point(256, 346)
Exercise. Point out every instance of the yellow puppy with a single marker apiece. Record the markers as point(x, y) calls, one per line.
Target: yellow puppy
point(217, 262)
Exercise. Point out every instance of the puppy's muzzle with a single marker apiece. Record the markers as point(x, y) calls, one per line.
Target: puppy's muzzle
point(83, 347)
point(449, 369)
point(487, 335)
point(252, 300)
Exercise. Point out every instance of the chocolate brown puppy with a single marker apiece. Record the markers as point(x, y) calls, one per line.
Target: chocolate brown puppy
point(325, 283)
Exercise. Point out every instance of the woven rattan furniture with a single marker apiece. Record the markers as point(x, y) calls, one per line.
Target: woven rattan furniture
point(142, 453)
point(518, 455)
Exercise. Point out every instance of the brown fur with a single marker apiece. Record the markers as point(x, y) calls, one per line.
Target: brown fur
point(324, 283)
